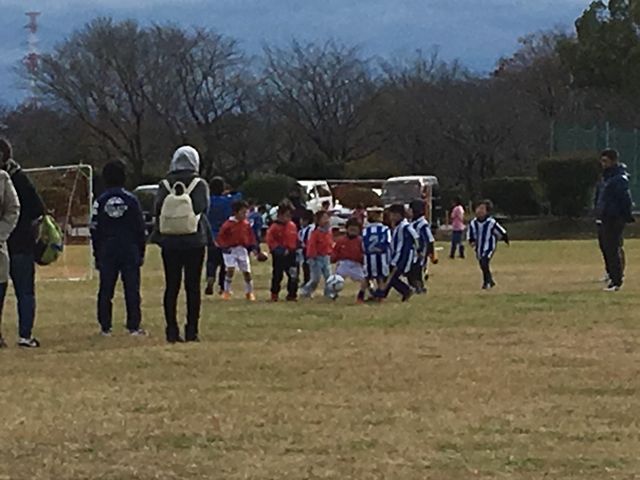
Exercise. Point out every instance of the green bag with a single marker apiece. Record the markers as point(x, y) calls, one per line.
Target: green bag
point(50, 243)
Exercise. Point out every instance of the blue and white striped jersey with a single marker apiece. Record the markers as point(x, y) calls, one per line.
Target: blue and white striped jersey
point(404, 246)
point(376, 243)
point(485, 235)
point(425, 237)
point(303, 239)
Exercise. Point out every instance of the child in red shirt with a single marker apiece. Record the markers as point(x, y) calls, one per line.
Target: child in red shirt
point(319, 248)
point(349, 255)
point(282, 239)
point(236, 240)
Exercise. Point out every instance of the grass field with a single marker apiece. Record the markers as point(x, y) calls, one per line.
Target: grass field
point(536, 379)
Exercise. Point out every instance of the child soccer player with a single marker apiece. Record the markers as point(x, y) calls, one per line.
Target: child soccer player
point(282, 239)
point(426, 246)
point(457, 223)
point(349, 255)
point(404, 246)
point(118, 237)
point(376, 242)
point(236, 240)
point(483, 234)
point(306, 227)
point(255, 220)
point(318, 251)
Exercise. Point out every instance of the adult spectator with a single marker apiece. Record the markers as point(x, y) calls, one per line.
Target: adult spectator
point(219, 212)
point(183, 248)
point(613, 212)
point(21, 245)
point(295, 197)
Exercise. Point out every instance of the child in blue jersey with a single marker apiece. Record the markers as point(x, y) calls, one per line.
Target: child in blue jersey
point(306, 227)
point(426, 246)
point(404, 252)
point(118, 237)
point(483, 235)
point(219, 212)
point(255, 220)
point(376, 243)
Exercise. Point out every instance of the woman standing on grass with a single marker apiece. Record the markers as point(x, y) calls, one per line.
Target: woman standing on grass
point(183, 237)
point(457, 223)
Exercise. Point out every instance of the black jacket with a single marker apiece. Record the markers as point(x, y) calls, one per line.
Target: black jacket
point(23, 237)
point(613, 198)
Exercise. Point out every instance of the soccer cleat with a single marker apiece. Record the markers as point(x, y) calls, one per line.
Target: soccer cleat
point(138, 333)
point(226, 296)
point(421, 291)
point(407, 296)
point(105, 333)
point(275, 298)
point(292, 298)
point(359, 300)
point(209, 290)
point(193, 340)
point(28, 343)
point(251, 297)
point(174, 340)
point(612, 288)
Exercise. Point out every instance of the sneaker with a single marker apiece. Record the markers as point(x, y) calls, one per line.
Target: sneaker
point(421, 291)
point(292, 299)
point(221, 291)
point(174, 340)
point(105, 333)
point(612, 288)
point(226, 296)
point(138, 333)
point(193, 340)
point(251, 297)
point(209, 290)
point(3, 344)
point(275, 298)
point(407, 296)
point(359, 300)
point(28, 343)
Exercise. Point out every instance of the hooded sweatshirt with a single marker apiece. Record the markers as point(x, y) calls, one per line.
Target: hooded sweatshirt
point(613, 198)
point(184, 168)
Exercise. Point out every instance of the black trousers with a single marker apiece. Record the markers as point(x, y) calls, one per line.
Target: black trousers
point(285, 265)
point(416, 276)
point(179, 263)
point(109, 273)
point(610, 240)
point(215, 261)
point(306, 273)
point(487, 277)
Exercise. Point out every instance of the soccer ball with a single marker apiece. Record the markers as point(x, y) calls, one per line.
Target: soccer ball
point(335, 284)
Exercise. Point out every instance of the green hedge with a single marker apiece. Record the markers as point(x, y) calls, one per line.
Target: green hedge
point(268, 188)
point(514, 195)
point(568, 182)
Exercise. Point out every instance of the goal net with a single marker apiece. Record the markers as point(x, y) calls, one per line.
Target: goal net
point(67, 192)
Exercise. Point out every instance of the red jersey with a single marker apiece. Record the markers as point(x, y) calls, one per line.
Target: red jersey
point(236, 234)
point(282, 235)
point(320, 243)
point(348, 249)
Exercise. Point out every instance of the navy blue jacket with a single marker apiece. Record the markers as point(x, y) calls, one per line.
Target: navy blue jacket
point(220, 211)
point(118, 229)
point(613, 198)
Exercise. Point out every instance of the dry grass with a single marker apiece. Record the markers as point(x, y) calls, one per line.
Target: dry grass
point(535, 379)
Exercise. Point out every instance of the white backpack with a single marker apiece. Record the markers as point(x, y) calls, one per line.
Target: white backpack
point(177, 216)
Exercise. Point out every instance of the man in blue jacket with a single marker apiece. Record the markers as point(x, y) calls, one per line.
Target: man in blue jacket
point(118, 236)
point(613, 212)
point(219, 212)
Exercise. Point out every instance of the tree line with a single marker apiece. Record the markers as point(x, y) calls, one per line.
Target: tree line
point(321, 110)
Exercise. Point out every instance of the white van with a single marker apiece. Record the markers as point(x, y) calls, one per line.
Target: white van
point(316, 192)
point(407, 189)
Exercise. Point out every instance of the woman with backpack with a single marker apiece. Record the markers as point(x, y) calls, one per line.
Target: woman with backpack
point(183, 233)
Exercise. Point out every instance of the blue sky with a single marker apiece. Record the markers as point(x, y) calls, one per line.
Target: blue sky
point(477, 32)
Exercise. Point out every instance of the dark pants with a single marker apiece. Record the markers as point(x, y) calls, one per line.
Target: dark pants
point(396, 283)
point(610, 239)
point(306, 273)
point(22, 271)
point(177, 263)
point(285, 265)
point(130, 274)
point(416, 276)
point(457, 243)
point(215, 261)
point(487, 278)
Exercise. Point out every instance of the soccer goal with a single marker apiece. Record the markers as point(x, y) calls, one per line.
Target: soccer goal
point(67, 192)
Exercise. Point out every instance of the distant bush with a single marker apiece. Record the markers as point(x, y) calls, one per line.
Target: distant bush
point(514, 195)
point(568, 182)
point(268, 188)
point(350, 196)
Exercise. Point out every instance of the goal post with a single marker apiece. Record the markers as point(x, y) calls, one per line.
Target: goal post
point(67, 192)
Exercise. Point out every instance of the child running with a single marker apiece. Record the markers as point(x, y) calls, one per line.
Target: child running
point(306, 227)
point(404, 251)
point(426, 246)
point(349, 255)
point(483, 234)
point(376, 242)
point(282, 239)
point(318, 251)
point(236, 240)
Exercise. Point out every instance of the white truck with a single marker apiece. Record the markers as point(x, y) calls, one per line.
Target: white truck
point(404, 190)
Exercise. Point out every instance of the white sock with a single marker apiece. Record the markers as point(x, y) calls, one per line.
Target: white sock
point(227, 284)
point(248, 286)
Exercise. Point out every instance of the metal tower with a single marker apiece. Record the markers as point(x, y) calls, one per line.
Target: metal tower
point(32, 58)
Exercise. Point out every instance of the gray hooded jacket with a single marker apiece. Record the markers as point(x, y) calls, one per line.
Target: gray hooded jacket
point(185, 166)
